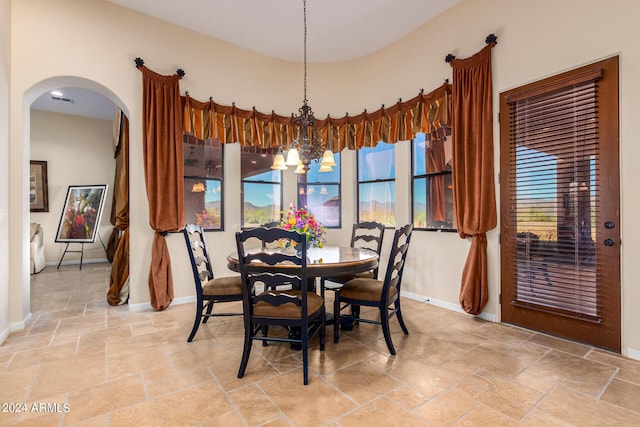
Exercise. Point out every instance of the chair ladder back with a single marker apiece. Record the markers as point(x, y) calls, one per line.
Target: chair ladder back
point(253, 274)
point(273, 267)
point(368, 235)
point(397, 258)
point(198, 255)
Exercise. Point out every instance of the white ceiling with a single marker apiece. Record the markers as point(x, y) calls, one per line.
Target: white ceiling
point(81, 102)
point(337, 30)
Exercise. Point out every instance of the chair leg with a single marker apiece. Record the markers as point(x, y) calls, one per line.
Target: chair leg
point(265, 332)
point(336, 317)
point(246, 351)
point(196, 322)
point(400, 319)
point(209, 310)
point(322, 328)
point(384, 319)
point(305, 354)
point(355, 312)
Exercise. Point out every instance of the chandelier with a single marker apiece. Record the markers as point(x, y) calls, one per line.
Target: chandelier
point(305, 146)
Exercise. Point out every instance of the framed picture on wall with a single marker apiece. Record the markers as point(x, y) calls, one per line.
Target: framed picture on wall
point(38, 186)
point(81, 214)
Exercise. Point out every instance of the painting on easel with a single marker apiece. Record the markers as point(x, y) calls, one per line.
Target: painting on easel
point(81, 214)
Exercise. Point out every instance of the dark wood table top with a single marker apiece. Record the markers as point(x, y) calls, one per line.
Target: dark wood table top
point(323, 262)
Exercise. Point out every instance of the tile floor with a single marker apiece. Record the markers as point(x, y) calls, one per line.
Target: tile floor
point(82, 362)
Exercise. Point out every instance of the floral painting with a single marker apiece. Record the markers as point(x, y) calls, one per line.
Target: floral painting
point(81, 214)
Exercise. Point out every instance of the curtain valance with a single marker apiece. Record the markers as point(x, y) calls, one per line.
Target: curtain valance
point(428, 113)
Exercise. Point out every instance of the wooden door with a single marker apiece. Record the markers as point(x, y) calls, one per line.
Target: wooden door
point(560, 206)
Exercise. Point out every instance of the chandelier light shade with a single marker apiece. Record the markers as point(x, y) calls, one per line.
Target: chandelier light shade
point(198, 187)
point(305, 146)
point(278, 162)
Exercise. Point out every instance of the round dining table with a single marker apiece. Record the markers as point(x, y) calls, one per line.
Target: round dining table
point(328, 261)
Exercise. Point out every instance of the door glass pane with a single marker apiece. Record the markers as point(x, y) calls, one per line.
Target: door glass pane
point(556, 213)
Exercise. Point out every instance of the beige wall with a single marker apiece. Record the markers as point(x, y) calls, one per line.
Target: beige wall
point(78, 151)
point(574, 33)
point(5, 61)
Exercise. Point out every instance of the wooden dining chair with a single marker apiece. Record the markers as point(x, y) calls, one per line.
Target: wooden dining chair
point(209, 289)
point(296, 307)
point(364, 235)
point(382, 294)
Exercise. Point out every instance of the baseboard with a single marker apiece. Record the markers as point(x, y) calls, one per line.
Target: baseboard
point(147, 305)
point(77, 261)
point(4, 334)
point(19, 326)
point(633, 353)
point(444, 304)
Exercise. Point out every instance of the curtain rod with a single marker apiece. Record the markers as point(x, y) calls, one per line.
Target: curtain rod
point(491, 38)
point(140, 62)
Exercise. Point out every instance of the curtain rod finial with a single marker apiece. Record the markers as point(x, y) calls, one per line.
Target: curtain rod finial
point(139, 62)
point(491, 38)
point(446, 80)
point(180, 72)
point(450, 57)
point(421, 91)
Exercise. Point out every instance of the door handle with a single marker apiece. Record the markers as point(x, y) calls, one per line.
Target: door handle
point(609, 242)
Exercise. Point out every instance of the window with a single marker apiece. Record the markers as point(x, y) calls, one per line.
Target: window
point(376, 184)
point(203, 185)
point(261, 187)
point(432, 186)
point(320, 192)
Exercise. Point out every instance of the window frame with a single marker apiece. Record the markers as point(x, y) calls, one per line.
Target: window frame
point(243, 181)
point(320, 183)
point(426, 176)
point(188, 141)
point(374, 181)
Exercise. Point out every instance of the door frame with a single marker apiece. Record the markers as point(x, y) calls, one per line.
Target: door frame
point(606, 332)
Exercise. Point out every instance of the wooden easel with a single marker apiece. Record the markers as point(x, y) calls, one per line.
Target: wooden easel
point(81, 251)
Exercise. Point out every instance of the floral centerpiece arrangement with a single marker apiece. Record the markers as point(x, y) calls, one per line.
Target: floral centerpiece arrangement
point(303, 221)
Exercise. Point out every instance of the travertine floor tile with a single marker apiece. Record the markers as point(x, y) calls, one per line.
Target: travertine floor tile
point(446, 408)
point(508, 397)
point(381, 412)
point(481, 416)
point(113, 367)
point(624, 394)
point(574, 372)
point(584, 410)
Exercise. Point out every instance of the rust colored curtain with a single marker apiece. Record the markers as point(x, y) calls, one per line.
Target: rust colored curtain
point(424, 113)
point(473, 183)
point(118, 292)
point(436, 162)
point(112, 244)
point(164, 175)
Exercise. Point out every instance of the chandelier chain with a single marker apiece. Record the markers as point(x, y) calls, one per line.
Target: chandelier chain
point(304, 8)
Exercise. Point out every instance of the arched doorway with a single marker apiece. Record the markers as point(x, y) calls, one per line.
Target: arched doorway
point(74, 94)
